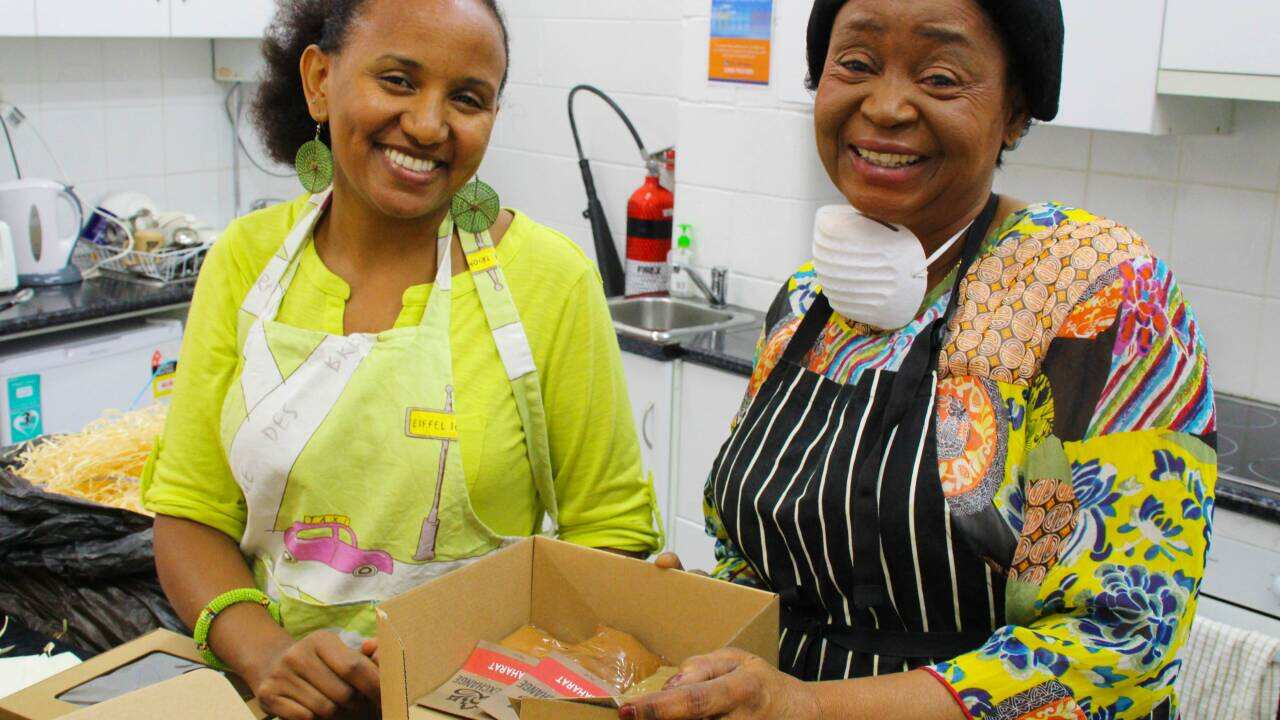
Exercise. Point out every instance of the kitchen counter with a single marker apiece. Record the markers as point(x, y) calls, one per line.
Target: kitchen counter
point(1248, 433)
point(728, 350)
point(100, 299)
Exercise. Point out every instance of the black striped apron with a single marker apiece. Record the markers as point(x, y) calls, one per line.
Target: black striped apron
point(831, 493)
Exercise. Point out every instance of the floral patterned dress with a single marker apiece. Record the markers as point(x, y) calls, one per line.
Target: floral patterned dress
point(1075, 405)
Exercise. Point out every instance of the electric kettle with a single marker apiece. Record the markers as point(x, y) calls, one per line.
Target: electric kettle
point(41, 244)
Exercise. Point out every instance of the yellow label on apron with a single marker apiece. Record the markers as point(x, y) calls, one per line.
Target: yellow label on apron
point(482, 260)
point(431, 425)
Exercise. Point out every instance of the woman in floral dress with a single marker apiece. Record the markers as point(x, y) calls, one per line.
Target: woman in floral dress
point(1000, 506)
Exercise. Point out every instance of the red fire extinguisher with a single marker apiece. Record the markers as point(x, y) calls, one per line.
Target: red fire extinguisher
point(649, 228)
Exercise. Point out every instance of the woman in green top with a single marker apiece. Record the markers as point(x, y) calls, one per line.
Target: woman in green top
point(368, 398)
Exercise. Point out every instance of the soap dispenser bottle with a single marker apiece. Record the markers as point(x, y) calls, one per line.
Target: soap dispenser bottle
point(681, 255)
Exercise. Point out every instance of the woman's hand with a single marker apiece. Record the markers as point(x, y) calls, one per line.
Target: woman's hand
point(370, 650)
point(731, 684)
point(671, 561)
point(317, 677)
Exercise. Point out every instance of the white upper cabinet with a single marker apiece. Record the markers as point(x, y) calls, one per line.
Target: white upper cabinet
point(1222, 50)
point(1239, 37)
point(102, 18)
point(1111, 69)
point(19, 17)
point(137, 18)
point(220, 18)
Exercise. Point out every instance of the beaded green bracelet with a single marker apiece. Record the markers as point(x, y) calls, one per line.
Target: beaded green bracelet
point(217, 605)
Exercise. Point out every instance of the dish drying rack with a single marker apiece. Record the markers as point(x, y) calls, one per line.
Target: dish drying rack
point(165, 266)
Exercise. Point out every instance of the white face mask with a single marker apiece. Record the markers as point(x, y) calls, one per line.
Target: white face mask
point(871, 272)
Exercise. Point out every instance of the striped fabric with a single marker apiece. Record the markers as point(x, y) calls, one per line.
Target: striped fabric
point(1157, 377)
point(1229, 673)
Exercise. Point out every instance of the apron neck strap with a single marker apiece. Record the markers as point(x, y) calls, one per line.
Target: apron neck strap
point(814, 322)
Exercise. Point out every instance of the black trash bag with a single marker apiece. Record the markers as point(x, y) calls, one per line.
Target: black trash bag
point(100, 614)
point(69, 536)
point(18, 640)
point(63, 558)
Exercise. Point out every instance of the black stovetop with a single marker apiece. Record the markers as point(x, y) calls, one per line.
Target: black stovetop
point(1249, 443)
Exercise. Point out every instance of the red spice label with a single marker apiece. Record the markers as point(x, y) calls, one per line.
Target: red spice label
point(505, 667)
point(555, 677)
point(489, 671)
point(567, 681)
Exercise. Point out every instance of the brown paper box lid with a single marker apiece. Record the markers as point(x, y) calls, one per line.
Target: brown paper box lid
point(40, 701)
point(199, 695)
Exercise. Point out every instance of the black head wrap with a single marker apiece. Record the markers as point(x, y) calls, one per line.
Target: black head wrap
point(1032, 31)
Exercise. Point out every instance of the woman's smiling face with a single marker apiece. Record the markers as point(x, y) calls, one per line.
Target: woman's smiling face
point(913, 107)
point(410, 100)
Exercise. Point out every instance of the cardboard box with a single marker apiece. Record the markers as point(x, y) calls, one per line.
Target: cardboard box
point(200, 695)
point(426, 634)
point(41, 701)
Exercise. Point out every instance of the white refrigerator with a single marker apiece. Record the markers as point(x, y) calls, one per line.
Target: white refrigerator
point(59, 383)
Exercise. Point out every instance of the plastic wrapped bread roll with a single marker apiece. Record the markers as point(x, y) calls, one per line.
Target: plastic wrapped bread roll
point(612, 655)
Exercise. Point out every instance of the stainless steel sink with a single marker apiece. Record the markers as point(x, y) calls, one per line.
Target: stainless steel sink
point(667, 320)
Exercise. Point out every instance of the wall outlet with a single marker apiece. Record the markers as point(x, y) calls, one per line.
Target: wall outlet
point(13, 117)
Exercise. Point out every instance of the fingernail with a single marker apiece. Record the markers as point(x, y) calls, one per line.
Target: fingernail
point(627, 712)
point(673, 681)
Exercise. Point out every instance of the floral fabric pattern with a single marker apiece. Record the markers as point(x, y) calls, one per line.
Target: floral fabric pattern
point(1074, 396)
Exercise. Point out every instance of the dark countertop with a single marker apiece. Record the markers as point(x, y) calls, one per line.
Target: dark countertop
point(1248, 436)
point(728, 350)
point(99, 299)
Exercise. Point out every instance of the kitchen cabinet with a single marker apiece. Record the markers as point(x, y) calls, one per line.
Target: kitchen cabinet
point(1111, 70)
point(651, 387)
point(220, 18)
point(97, 18)
point(139, 18)
point(1218, 50)
point(1239, 37)
point(19, 18)
point(708, 400)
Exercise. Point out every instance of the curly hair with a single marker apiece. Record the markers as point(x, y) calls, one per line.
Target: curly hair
point(280, 106)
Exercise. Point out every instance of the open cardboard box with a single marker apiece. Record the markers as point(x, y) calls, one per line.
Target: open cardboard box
point(178, 697)
point(426, 634)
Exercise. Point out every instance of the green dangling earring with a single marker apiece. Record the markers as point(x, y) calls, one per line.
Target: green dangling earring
point(314, 164)
point(475, 208)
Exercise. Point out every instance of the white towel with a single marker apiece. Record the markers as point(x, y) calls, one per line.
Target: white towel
point(20, 673)
point(1229, 673)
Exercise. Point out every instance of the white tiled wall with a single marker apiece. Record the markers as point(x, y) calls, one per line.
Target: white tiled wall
point(629, 49)
point(122, 115)
point(143, 114)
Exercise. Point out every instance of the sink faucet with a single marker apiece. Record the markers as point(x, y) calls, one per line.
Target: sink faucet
point(715, 294)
